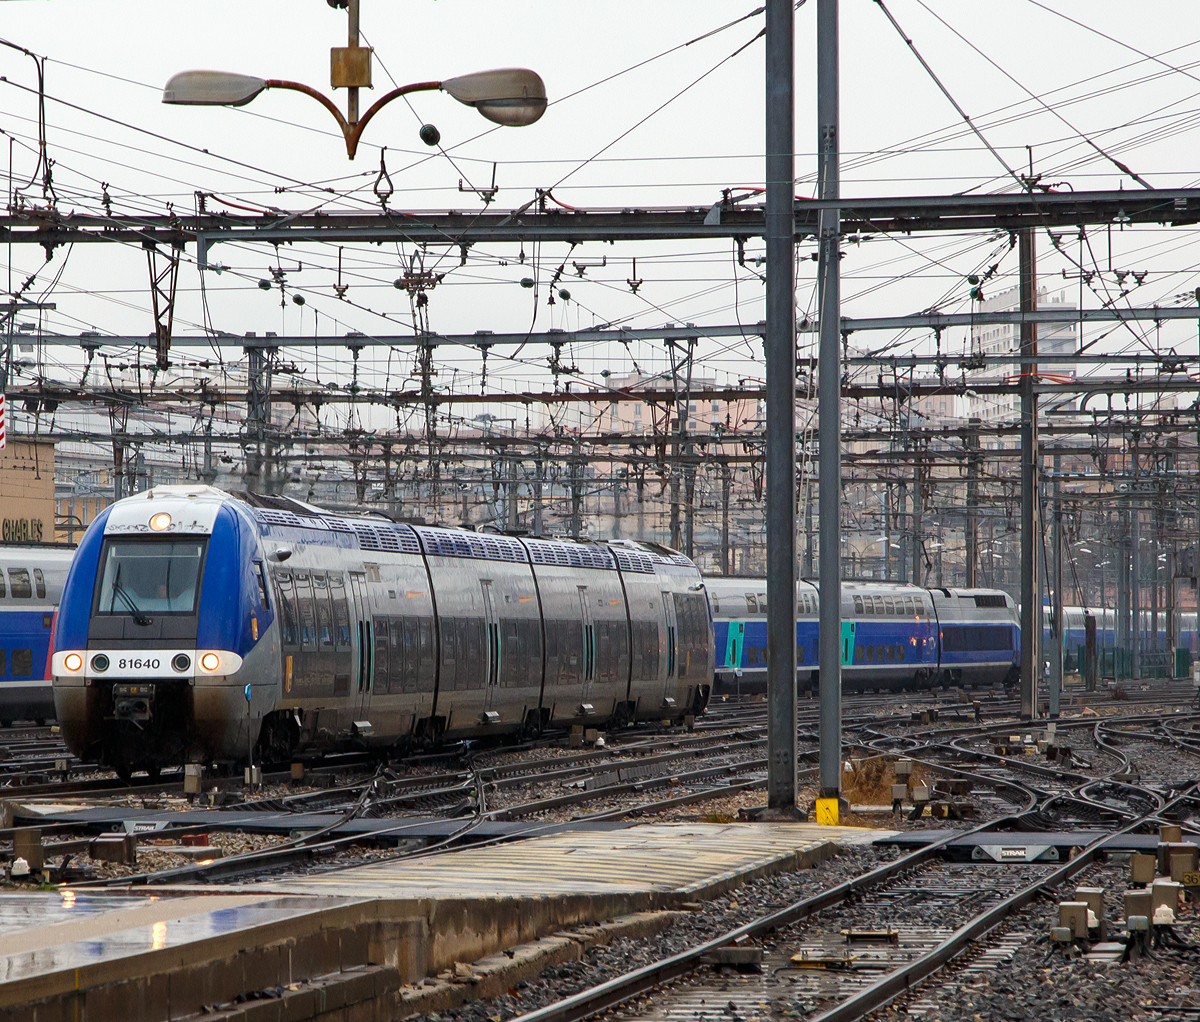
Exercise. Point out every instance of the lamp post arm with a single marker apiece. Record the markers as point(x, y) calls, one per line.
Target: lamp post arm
point(325, 101)
point(355, 131)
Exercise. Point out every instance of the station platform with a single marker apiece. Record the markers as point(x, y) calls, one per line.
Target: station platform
point(358, 935)
point(654, 864)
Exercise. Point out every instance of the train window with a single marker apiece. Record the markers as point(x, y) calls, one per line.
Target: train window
point(891, 654)
point(878, 604)
point(716, 602)
point(287, 604)
point(260, 576)
point(341, 616)
point(858, 605)
point(870, 653)
point(1, 585)
point(39, 580)
point(762, 603)
point(324, 612)
point(799, 654)
point(3, 664)
point(143, 576)
point(859, 656)
point(900, 653)
point(18, 582)
point(751, 604)
point(888, 606)
point(382, 680)
point(868, 605)
point(752, 656)
point(22, 663)
point(305, 615)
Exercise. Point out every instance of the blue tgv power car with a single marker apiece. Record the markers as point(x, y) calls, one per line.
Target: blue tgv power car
point(894, 636)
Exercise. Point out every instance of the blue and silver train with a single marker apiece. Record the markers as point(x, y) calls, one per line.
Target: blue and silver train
point(31, 583)
point(195, 625)
point(894, 636)
point(1075, 635)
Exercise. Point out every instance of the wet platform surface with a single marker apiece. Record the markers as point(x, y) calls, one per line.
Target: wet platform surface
point(682, 858)
point(46, 932)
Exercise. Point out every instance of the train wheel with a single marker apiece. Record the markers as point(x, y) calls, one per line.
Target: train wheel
point(124, 771)
point(153, 771)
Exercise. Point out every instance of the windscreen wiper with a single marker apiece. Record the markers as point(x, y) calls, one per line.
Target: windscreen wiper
point(119, 590)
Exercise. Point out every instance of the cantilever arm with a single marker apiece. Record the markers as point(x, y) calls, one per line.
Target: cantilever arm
point(352, 132)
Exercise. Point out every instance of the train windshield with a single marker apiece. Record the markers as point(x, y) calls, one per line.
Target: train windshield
point(150, 577)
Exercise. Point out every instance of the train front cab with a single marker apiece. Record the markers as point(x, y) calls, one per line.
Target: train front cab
point(165, 648)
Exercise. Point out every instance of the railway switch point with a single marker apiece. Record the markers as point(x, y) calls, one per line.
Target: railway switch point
point(1062, 934)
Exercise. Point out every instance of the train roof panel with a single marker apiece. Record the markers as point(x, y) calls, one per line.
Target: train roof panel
point(189, 510)
point(475, 545)
point(569, 555)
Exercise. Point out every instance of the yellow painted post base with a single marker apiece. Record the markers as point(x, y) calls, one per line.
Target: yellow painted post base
point(827, 812)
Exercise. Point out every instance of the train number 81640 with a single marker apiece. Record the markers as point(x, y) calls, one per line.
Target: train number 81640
point(138, 664)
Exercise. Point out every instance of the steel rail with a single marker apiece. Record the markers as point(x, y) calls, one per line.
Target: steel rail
point(623, 988)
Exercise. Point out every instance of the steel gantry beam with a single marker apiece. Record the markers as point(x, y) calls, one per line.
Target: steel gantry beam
point(483, 339)
point(541, 221)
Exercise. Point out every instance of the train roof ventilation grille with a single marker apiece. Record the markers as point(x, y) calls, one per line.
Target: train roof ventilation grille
point(339, 525)
point(447, 543)
point(406, 540)
point(991, 600)
point(368, 538)
point(272, 517)
point(569, 555)
point(628, 561)
point(388, 540)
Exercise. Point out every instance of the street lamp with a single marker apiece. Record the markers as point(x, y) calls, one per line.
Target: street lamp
point(511, 96)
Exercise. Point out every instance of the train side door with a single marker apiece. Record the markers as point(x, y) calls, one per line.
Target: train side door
point(589, 641)
point(364, 643)
point(492, 619)
point(733, 648)
point(672, 640)
point(848, 628)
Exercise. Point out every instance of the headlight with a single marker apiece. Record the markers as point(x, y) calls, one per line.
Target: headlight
point(100, 662)
point(210, 661)
point(181, 662)
point(160, 522)
point(73, 662)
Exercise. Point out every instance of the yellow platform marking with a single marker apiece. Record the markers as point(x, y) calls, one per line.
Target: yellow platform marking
point(659, 857)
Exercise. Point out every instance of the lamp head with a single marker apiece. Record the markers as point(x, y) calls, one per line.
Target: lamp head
point(512, 96)
point(212, 88)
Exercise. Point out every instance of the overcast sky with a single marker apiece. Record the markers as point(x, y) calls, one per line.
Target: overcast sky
point(899, 136)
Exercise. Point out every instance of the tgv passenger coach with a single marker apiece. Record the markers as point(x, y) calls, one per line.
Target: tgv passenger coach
point(893, 636)
point(195, 624)
point(31, 583)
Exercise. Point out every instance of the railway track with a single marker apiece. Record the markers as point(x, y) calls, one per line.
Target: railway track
point(843, 969)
